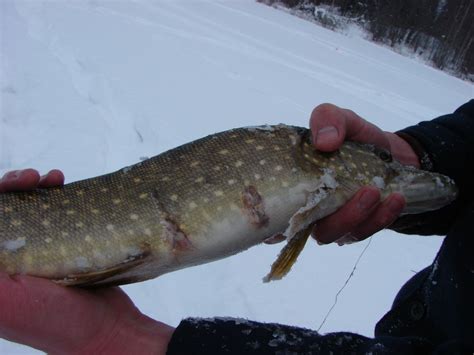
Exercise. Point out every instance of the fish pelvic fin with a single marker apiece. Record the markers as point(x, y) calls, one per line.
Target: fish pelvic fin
point(96, 278)
point(288, 255)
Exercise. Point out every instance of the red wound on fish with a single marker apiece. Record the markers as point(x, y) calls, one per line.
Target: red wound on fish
point(254, 207)
point(176, 236)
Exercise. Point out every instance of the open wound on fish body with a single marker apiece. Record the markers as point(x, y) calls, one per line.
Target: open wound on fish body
point(319, 203)
point(254, 207)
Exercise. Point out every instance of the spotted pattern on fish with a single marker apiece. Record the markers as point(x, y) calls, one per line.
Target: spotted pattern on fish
point(196, 203)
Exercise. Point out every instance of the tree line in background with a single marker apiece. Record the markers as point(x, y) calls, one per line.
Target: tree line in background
point(441, 31)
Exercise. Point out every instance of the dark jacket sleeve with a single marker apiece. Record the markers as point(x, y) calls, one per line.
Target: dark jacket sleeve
point(444, 145)
point(240, 336)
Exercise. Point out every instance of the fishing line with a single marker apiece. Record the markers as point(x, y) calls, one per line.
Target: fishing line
point(345, 284)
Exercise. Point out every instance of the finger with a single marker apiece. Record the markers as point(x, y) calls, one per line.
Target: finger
point(348, 217)
point(402, 151)
point(331, 125)
point(385, 214)
point(19, 180)
point(51, 179)
point(327, 126)
point(359, 130)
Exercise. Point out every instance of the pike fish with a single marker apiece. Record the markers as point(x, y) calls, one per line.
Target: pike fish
point(199, 202)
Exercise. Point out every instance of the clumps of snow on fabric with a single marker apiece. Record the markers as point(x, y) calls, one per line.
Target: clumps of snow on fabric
point(237, 335)
point(279, 338)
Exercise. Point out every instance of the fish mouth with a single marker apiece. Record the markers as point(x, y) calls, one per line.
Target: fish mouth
point(424, 191)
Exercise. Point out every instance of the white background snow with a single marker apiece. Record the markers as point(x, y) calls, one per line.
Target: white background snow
point(92, 86)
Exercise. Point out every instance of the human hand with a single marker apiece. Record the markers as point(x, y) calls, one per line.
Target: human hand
point(29, 179)
point(364, 214)
point(57, 319)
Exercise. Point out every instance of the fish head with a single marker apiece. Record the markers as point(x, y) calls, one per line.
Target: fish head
point(423, 190)
point(355, 165)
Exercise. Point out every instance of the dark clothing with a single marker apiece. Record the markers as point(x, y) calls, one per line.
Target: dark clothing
point(433, 312)
point(437, 303)
point(238, 336)
point(445, 145)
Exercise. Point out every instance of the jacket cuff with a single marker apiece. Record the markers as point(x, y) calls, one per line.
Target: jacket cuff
point(425, 160)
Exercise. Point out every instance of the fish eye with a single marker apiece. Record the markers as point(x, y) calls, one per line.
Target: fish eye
point(385, 155)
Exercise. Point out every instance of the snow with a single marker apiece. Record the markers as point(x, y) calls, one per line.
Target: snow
point(82, 262)
point(90, 87)
point(379, 182)
point(14, 245)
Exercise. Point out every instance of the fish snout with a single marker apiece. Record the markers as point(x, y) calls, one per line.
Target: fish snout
point(424, 191)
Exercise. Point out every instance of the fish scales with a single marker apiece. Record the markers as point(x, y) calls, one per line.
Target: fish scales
point(202, 201)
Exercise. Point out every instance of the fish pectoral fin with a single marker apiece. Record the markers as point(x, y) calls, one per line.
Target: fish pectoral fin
point(320, 203)
point(90, 279)
point(288, 255)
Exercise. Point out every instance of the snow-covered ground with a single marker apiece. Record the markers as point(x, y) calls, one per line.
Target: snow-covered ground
point(92, 86)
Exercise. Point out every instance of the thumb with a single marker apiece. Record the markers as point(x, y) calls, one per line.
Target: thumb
point(331, 125)
point(327, 124)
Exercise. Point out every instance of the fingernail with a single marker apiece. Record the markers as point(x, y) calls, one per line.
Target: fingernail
point(318, 241)
point(368, 200)
point(326, 134)
point(12, 175)
point(346, 241)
